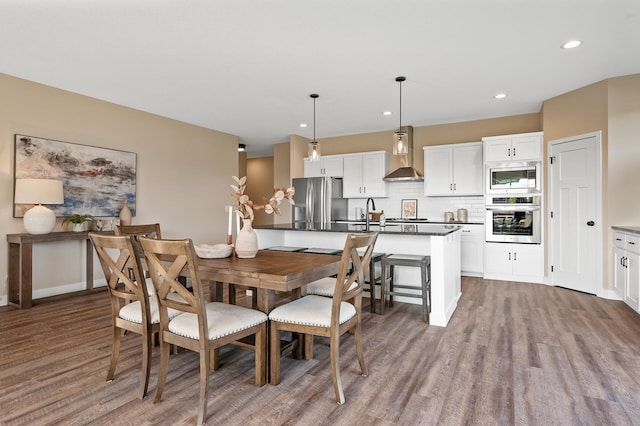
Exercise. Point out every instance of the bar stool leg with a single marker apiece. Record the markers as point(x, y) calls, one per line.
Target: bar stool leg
point(425, 290)
point(391, 275)
point(372, 287)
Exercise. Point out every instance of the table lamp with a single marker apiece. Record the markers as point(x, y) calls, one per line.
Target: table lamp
point(39, 219)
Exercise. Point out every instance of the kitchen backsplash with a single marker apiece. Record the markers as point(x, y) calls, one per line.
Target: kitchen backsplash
point(432, 208)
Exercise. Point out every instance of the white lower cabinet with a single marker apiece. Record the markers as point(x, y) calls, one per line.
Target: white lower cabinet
point(472, 250)
point(627, 268)
point(515, 262)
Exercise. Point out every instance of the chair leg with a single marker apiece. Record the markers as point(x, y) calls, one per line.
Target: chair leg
point(261, 355)
point(358, 338)
point(275, 354)
point(146, 363)
point(164, 367)
point(204, 386)
point(334, 348)
point(115, 353)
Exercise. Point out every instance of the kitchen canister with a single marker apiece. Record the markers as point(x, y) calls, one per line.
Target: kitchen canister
point(448, 216)
point(463, 214)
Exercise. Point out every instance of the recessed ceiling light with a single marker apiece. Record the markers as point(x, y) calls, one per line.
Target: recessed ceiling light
point(500, 96)
point(386, 113)
point(571, 44)
point(303, 124)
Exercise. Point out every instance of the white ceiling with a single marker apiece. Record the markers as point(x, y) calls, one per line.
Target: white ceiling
point(247, 67)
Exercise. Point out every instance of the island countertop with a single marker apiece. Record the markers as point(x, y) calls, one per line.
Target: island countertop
point(432, 229)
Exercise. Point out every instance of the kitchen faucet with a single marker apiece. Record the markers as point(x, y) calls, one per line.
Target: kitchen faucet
point(373, 206)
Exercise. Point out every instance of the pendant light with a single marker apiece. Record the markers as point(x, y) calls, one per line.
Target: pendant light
point(314, 146)
point(400, 137)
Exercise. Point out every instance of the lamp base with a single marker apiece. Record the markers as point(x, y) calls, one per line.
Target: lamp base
point(39, 220)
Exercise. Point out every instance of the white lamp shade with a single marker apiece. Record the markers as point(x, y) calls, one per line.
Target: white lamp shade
point(39, 219)
point(39, 191)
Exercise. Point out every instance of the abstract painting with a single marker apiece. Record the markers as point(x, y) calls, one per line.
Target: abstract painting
point(95, 180)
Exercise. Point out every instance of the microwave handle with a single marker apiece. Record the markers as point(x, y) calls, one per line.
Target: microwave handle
point(510, 209)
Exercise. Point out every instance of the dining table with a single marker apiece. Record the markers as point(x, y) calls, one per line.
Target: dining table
point(269, 272)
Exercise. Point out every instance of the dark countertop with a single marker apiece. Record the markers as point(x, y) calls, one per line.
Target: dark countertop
point(631, 229)
point(433, 229)
point(411, 222)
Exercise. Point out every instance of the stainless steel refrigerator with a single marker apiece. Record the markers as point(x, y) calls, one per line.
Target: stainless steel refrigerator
point(318, 200)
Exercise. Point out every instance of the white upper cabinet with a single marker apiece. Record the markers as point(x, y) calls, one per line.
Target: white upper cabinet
point(329, 165)
point(364, 173)
point(453, 169)
point(522, 147)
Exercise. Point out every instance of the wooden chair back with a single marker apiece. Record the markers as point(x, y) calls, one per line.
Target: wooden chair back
point(350, 278)
point(151, 230)
point(124, 275)
point(166, 260)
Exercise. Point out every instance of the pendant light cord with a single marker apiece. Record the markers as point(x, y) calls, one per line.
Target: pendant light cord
point(400, 126)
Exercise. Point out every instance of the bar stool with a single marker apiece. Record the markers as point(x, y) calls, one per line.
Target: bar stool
point(373, 281)
point(422, 262)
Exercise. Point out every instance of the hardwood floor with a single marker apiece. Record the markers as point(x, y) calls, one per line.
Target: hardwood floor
point(512, 354)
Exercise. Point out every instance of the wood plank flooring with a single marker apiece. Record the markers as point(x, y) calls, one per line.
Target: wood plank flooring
point(512, 354)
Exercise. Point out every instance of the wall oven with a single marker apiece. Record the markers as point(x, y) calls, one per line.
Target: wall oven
point(513, 219)
point(514, 177)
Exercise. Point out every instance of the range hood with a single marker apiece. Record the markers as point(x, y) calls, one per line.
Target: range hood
point(406, 172)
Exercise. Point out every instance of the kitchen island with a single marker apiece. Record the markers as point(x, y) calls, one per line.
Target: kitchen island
point(440, 241)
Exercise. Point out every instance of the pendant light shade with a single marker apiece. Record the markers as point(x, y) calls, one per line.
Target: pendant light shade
point(400, 137)
point(314, 146)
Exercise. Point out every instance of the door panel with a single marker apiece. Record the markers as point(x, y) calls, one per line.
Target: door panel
point(574, 182)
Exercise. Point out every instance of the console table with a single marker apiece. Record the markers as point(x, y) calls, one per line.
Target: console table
point(21, 263)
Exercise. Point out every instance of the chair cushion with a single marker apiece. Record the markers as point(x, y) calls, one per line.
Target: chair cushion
point(223, 319)
point(132, 312)
point(324, 287)
point(311, 310)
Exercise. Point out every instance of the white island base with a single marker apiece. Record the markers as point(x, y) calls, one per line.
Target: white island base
point(443, 249)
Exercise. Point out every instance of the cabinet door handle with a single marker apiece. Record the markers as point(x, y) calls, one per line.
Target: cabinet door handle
point(591, 223)
point(509, 255)
point(618, 239)
point(508, 152)
point(450, 187)
point(514, 152)
point(360, 189)
point(514, 256)
point(365, 189)
point(454, 187)
point(632, 243)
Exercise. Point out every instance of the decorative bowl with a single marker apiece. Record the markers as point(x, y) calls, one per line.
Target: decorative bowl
point(213, 251)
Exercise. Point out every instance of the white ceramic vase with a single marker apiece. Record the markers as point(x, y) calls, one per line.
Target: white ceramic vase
point(79, 227)
point(125, 213)
point(246, 241)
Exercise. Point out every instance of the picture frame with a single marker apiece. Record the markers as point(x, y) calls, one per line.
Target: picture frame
point(409, 209)
point(95, 180)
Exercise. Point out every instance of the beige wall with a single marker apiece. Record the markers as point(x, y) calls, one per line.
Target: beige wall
point(260, 186)
point(183, 171)
point(282, 177)
point(624, 151)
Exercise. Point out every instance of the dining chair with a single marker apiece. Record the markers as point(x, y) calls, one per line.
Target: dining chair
point(132, 309)
point(315, 315)
point(202, 327)
point(151, 230)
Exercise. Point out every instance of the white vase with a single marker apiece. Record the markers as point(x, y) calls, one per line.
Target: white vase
point(78, 227)
point(246, 241)
point(125, 213)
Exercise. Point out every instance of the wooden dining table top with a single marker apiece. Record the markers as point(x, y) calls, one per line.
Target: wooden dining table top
point(270, 269)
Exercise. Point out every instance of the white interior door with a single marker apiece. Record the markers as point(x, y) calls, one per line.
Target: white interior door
point(575, 253)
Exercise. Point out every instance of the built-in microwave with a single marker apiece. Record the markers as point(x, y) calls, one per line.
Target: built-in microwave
point(514, 177)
